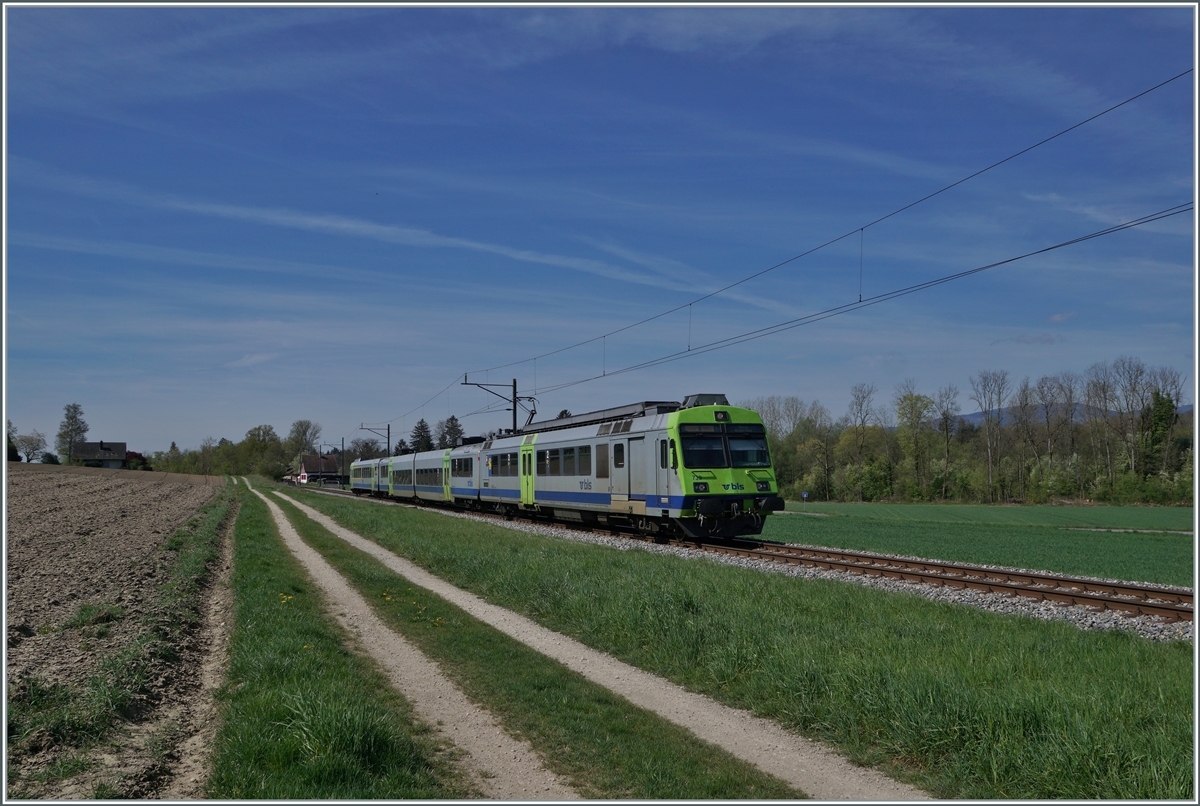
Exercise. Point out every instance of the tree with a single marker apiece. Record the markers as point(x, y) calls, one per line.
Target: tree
point(946, 406)
point(32, 445)
point(364, 448)
point(303, 437)
point(50, 458)
point(402, 448)
point(421, 438)
point(71, 432)
point(448, 432)
point(913, 412)
point(564, 414)
point(14, 454)
point(989, 389)
point(861, 414)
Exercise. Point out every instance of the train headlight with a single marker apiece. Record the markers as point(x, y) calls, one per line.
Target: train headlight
point(763, 486)
point(700, 486)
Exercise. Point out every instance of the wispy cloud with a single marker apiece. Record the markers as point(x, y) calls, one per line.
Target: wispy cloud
point(251, 359)
point(1040, 339)
point(1060, 317)
point(32, 172)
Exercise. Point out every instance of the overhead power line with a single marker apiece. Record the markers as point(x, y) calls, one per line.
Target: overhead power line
point(832, 241)
point(828, 313)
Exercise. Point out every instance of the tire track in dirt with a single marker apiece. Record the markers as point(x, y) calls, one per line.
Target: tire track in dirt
point(805, 764)
point(503, 768)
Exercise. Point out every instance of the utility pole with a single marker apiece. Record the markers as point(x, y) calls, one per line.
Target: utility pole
point(515, 400)
point(386, 435)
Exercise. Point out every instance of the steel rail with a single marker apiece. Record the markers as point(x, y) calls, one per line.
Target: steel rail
point(1135, 600)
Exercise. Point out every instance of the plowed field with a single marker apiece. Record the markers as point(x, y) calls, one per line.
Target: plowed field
point(87, 551)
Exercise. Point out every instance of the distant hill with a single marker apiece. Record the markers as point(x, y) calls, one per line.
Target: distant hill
point(976, 418)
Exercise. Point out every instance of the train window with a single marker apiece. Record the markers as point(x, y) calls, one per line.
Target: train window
point(602, 461)
point(704, 451)
point(619, 455)
point(583, 464)
point(554, 462)
point(512, 465)
point(568, 465)
point(541, 463)
point(662, 453)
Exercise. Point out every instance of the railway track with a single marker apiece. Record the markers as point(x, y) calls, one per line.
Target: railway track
point(1131, 599)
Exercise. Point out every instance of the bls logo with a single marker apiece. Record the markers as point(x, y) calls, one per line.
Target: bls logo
point(734, 486)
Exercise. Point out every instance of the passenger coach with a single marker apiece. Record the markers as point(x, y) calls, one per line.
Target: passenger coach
point(700, 469)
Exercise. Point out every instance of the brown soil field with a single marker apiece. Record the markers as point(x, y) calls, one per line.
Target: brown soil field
point(82, 536)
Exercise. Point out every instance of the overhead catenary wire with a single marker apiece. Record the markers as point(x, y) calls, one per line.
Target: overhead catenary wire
point(841, 309)
point(861, 228)
point(828, 313)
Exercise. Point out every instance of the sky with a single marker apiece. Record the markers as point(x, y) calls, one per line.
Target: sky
point(221, 217)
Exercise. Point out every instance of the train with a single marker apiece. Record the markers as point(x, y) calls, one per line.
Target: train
point(697, 469)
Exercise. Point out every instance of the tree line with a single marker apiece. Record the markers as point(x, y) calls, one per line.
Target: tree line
point(1112, 433)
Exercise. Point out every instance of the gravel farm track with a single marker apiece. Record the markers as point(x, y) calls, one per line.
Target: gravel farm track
point(79, 536)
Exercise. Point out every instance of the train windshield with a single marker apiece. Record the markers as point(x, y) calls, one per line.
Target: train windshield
point(748, 451)
point(703, 451)
point(724, 445)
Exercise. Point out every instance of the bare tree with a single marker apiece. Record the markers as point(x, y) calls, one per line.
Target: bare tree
point(989, 389)
point(1132, 396)
point(1024, 406)
point(861, 413)
point(1069, 384)
point(31, 445)
point(946, 405)
point(1099, 398)
point(364, 448)
point(1048, 394)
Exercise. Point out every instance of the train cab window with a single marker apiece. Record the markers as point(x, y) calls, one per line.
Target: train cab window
point(602, 461)
point(619, 455)
point(583, 461)
point(542, 463)
point(568, 462)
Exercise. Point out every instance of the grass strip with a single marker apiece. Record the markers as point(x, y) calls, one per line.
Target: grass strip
point(605, 746)
point(1096, 517)
point(303, 717)
point(59, 714)
point(1163, 558)
point(961, 702)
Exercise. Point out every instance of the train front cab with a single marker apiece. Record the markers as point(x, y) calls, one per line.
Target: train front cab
point(726, 478)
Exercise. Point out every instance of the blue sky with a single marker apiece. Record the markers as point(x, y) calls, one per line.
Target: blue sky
point(221, 217)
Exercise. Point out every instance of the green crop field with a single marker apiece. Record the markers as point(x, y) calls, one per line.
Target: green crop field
point(964, 703)
point(960, 534)
point(1099, 517)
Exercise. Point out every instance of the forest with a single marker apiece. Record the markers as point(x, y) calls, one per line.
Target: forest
point(1114, 433)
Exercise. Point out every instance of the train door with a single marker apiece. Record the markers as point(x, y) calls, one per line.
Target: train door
point(446, 476)
point(619, 470)
point(628, 475)
point(387, 469)
point(662, 469)
point(526, 469)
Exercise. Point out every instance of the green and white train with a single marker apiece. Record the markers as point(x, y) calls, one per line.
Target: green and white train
point(700, 469)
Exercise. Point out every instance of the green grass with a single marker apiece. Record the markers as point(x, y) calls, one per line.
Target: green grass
point(1095, 517)
point(1161, 558)
point(964, 703)
point(606, 747)
point(78, 717)
point(302, 716)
